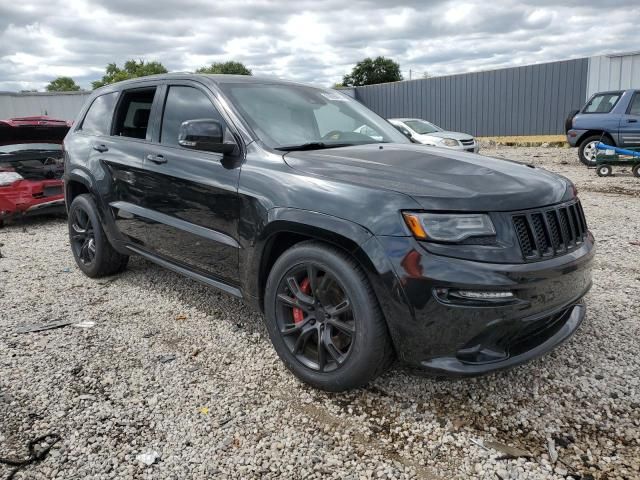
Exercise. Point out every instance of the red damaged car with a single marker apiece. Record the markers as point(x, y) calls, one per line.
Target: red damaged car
point(31, 166)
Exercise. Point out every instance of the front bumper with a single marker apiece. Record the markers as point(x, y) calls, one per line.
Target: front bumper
point(473, 148)
point(453, 336)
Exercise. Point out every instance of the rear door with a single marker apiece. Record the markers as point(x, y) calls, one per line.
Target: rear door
point(191, 199)
point(122, 153)
point(630, 123)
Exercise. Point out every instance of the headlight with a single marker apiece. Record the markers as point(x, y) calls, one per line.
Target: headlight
point(448, 227)
point(449, 142)
point(7, 178)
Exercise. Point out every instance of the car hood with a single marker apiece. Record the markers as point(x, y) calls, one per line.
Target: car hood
point(437, 179)
point(47, 132)
point(454, 135)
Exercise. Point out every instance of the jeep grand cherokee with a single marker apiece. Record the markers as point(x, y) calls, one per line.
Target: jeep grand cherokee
point(358, 248)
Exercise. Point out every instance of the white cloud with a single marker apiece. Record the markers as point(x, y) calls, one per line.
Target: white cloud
point(310, 41)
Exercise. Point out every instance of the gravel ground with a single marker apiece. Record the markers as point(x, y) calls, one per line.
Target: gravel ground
point(176, 368)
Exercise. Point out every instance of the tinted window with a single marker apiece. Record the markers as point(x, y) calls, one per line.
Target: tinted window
point(132, 118)
point(98, 119)
point(602, 103)
point(283, 115)
point(634, 109)
point(184, 103)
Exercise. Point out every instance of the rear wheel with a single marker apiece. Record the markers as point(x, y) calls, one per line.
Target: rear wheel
point(587, 151)
point(324, 320)
point(636, 171)
point(91, 249)
point(604, 171)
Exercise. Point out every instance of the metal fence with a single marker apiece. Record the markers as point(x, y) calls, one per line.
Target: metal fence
point(58, 105)
point(528, 100)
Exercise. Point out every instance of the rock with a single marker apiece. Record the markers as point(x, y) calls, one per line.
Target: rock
point(148, 458)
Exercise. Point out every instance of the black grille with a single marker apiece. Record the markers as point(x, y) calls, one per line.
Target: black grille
point(550, 232)
point(467, 141)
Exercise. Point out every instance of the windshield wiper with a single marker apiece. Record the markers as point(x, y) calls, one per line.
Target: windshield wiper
point(312, 146)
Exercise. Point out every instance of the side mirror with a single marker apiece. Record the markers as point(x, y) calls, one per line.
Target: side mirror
point(204, 134)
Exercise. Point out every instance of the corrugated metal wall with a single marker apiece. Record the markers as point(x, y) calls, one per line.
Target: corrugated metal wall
point(529, 100)
point(613, 72)
point(61, 105)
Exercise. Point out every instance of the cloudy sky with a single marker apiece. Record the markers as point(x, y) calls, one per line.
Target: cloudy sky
point(308, 40)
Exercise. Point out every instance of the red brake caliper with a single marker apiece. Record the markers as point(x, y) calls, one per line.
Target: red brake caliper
point(298, 314)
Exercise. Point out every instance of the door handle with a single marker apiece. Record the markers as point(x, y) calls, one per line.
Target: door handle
point(632, 120)
point(156, 159)
point(100, 148)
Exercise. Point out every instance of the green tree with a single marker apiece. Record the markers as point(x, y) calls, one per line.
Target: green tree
point(131, 69)
point(371, 71)
point(63, 84)
point(228, 68)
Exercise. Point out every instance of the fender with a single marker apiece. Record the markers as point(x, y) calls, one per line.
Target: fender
point(81, 176)
point(301, 225)
point(347, 235)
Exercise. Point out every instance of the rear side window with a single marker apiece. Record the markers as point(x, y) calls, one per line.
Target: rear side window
point(98, 119)
point(132, 118)
point(602, 103)
point(634, 108)
point(184, 103)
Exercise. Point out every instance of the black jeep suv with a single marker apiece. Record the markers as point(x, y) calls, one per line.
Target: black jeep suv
point(357, 248)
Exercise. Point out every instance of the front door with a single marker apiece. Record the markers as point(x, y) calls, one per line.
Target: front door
point(192, 196)
point(630, 123)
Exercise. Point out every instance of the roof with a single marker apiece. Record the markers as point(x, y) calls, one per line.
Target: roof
point(217, 79)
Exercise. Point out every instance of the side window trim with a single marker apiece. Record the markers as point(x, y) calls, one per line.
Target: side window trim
point(157, 110)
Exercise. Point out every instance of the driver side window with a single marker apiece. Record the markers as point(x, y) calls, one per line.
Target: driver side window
point(182, 104)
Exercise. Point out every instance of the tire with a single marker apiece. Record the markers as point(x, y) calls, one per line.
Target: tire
point(587, 151)
point(568, 123)
point(604, 170)
point(636, 171)
point(91, 249)
point(351, 359)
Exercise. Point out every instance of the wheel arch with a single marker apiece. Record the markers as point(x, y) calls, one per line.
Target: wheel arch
point(595, 132)
point(287, 227)
point(76, 183)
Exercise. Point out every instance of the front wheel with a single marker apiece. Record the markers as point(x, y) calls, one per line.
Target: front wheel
point(324, 319)
point(91, 249)
point(636, 171)
point(604, 171)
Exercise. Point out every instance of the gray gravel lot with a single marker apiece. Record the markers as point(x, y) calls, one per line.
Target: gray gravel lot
point(225, 406)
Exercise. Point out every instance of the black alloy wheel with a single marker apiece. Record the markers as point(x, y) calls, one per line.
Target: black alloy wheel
point(82, 238)
point(315, 317)
point(324, 319)
point(91, 249)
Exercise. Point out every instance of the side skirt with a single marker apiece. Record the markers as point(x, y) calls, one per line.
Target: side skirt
point(225, 287)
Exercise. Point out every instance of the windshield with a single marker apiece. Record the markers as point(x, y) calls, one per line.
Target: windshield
point(288, 117)
point(422, 127)
point(19, 147)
